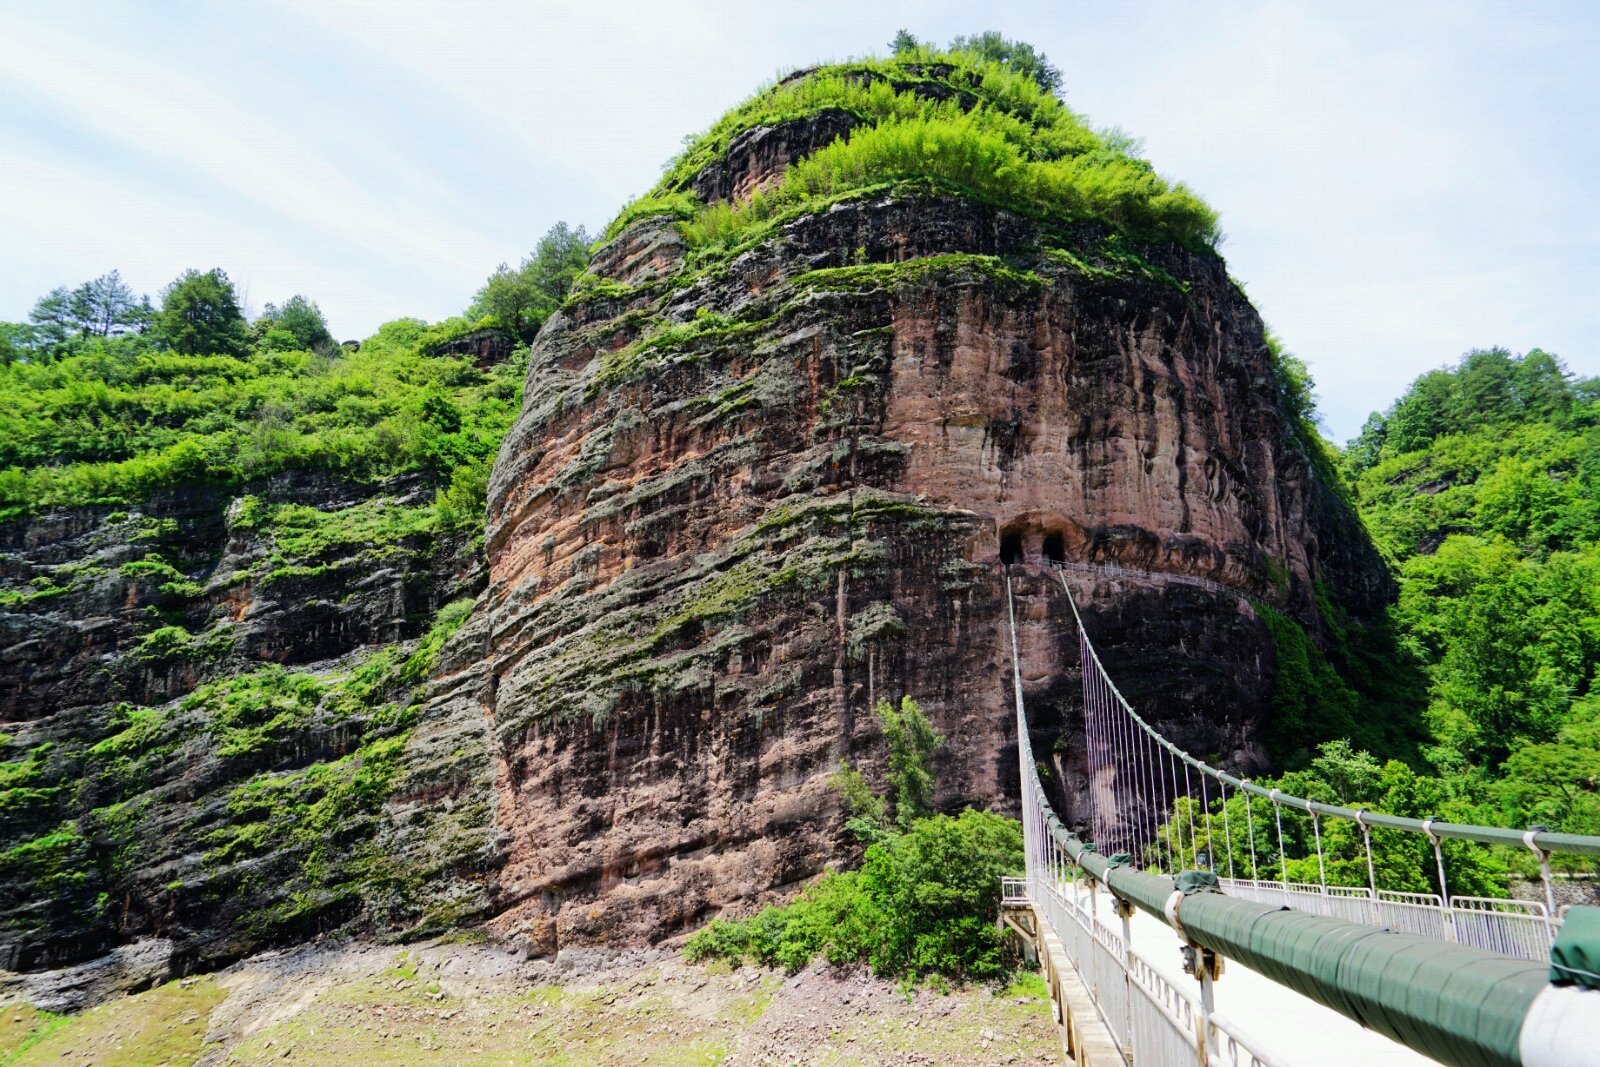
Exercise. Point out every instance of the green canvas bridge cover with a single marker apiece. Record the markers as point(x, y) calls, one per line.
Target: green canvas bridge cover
point(1189, 882)
point(1575, 957)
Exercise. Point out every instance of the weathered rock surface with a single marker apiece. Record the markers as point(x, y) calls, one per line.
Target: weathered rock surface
point(124, 814)
point(746, 500)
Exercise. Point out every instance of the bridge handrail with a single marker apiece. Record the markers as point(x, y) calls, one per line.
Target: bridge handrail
point(1536, 839)
point(1478, 1004)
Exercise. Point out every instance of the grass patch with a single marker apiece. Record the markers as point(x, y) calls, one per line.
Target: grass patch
point(166, 1025)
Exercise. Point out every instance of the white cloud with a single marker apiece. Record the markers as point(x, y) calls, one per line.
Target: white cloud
point(1399, 182)
point(160, 111)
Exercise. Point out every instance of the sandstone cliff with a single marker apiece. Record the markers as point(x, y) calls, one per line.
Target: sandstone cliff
point(753, 491)
point(189, 712)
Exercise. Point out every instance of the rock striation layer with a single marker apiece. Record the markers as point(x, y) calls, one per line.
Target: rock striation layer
point(176, 703)
point(746, 499)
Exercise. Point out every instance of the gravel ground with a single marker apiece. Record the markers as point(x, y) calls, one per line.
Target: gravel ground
point(474, 1003)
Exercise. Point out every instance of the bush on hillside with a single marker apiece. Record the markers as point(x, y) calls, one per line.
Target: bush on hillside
point(923, 904)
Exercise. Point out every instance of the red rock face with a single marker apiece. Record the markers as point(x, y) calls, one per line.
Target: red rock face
point(740, 506)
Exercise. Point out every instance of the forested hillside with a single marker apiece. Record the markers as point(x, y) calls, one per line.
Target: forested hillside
point(1482, 483)
point(230, 549)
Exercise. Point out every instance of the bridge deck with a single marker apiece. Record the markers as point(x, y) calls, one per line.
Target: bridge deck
point(1299, 1031)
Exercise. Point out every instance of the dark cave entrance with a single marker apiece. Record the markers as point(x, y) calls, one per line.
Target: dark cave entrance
point(1011, 547)
point(1055, 547)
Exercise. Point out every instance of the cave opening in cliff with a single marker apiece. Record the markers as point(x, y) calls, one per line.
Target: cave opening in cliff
point(1055, 547)
point(1011, 547)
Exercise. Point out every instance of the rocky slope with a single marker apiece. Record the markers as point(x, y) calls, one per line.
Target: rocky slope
point(202, 679)
point(751, 493)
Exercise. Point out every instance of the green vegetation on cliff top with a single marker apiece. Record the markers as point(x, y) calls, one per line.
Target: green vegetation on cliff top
point(962, 117)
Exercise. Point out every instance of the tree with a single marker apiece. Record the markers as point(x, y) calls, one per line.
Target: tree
point(521, 299)
point(17, 340)
point(1484, 389)
point(912, 741)
point(106, 306)
point(904, 42)
point(142, 316)
point(1367, 447)
point(52, 317)
point(200, 314)
point(1423, 413)
point(297, 325)
point(1541, 385)
point(1018, 55)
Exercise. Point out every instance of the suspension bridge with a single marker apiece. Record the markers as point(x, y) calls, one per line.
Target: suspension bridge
point(1185, 875)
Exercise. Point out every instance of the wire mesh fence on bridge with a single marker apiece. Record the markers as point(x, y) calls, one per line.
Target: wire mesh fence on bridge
point(1151, 799)
point(1151, 1020)
point(1170, 811)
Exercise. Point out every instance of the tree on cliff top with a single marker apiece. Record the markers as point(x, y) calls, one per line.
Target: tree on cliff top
point(521, 299)
point(200, 315)
point(102, 307)
point(1020, 56)
point(297, 325)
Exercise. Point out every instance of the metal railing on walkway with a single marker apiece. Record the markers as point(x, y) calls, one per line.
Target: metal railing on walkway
point(1471, 1003)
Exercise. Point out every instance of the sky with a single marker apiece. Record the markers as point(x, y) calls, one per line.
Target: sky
point(1398, 182)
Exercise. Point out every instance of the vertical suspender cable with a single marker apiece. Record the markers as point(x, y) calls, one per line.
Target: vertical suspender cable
point(1118, 807)
point(1322, 872)
point(1188, 807)
point(1227, 832)
point(1250, 828)
point(1152, 811)
point(1205, 794)
point(1283, 857)
point(1372, 874)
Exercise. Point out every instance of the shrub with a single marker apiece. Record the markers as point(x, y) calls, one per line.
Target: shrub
point(922, 905)
point(967, 151)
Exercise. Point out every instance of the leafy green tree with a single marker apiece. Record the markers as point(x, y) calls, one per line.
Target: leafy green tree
point(869, 811)
point(521, 299)
point(1484, 388)
point(1017, 55)
point(1352, 775)
point(17, 341)
point(296, 326)
point(106, 306)
point(937, 886)
point(1541, 386)
point(1296, 387)
point(102, 307)
point(904, 42)
point(923, 904)
point(1423, 413)
point(52, 317)
point(912, 741)
point(1367, 447)
point(200, 315)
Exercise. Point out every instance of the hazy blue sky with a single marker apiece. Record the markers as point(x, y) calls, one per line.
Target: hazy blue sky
point(1398, 181)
